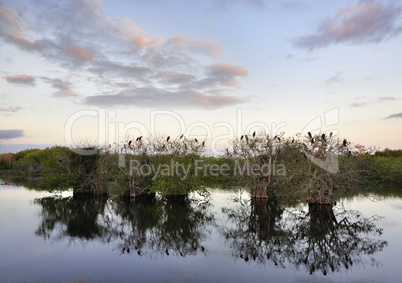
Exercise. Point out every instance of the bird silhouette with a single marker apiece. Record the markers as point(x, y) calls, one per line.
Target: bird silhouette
point(254, 134)
point(168, 138)
point(246, 137)
point(330, 135)
point(129, 143)
point(323, 138)
point(344, 142)
point(181, 136)
point(275, 137)
point(241, 137)
point(203, 143)
point(310, 136)
point(196, 140)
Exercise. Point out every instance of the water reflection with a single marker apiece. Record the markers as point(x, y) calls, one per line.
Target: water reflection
point(147, 226)
point(317, 238)
point(322, 239)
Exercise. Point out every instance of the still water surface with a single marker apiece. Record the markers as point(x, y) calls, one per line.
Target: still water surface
point(49, 237)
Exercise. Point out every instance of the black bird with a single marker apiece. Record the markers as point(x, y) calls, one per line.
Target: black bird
point(241, 137)
point(330, 135)
point(129, 143)
point(312, 140)
point(181, 136)
point(349, 153)
point(275, 137)
point(203, 143)
point(167, 252)
point(254, 134)
point(293, 140)
point(168, 138)
point(309, 134)
point(344, 142)
point(128, 249)
point(196, 140)
point(279, 139)
point(246, 137)
point(323, 138)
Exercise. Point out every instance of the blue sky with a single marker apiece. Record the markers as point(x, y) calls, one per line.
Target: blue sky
point(220, 68)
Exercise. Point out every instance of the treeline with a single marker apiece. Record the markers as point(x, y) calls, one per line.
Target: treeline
point(280, 166)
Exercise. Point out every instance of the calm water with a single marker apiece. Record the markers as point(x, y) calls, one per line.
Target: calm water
point(47, 237)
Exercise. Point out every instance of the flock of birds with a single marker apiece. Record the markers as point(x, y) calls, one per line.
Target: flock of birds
point(245, 137)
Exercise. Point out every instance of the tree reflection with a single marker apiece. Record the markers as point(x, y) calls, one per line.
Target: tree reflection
point(71, 217)
point(142, 226)
point(323, 239)
point(167, 227)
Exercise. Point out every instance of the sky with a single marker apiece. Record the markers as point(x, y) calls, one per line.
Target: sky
point(105, 72)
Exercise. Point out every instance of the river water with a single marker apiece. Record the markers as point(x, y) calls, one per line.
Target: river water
point(226, 237)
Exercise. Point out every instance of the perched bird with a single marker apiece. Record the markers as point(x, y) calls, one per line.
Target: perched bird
point(168, 138)
point(196, 140)
point(246, 137)
point(312, 140)
point(279, 139)
point(203, 143)
point(293, 139)
point(275, 137)
point(254, 134)
point(330, 135)
point(310, 136)
point(344, 142)
point(241, 137)
point(181, 136)
point(323, 138)
point(129, 143)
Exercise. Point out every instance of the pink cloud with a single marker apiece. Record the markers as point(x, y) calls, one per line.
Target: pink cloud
point(80, 52)
point(21, 80)
point(365, 22)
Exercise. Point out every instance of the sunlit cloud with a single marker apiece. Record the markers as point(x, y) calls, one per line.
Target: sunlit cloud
point(141, 97)
point(114, 51)
point(11, 134)
point(21, 80)
point(364, 22)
